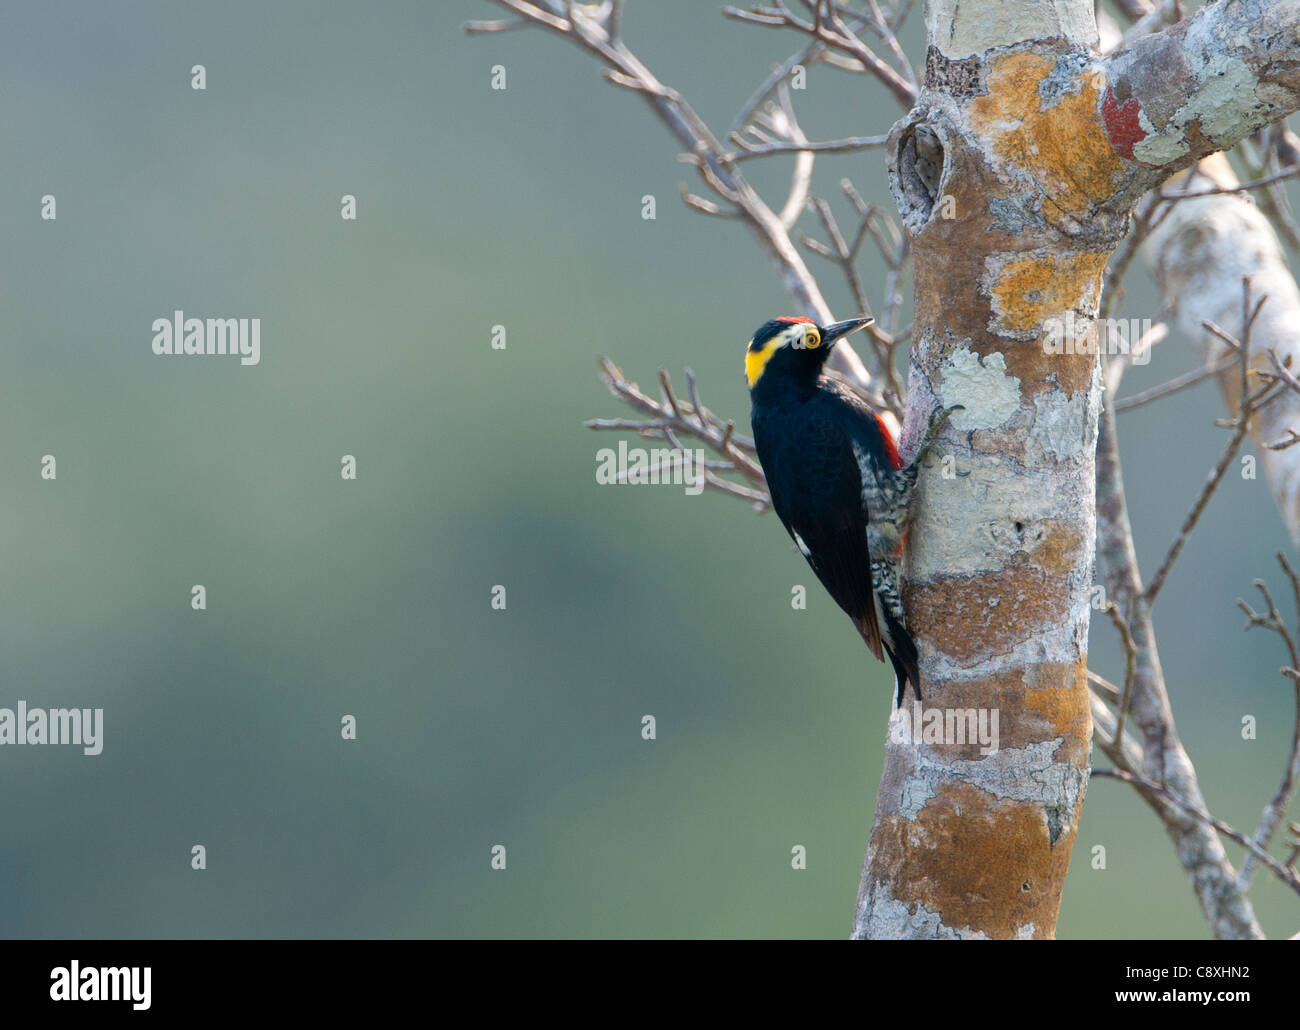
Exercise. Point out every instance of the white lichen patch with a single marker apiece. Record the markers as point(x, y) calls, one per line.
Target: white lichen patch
point(1063, 426)
point(1222, 105)
point(1227, 96)
point(982, 386)
point(1014, 774)
point(891, 919)
point(978, 514)
point(1158, 148)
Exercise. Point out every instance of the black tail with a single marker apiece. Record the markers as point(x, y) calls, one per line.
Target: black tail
point(901, 649)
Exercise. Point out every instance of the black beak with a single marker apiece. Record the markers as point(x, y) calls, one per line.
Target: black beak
point(836, 330)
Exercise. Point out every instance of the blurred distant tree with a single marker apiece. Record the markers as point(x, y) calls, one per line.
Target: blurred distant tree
point(1041, 149)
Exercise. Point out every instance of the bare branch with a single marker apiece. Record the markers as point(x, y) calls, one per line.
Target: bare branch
point(1157, 752)
point(1271, 818)
point(887, 33)
point(836, 35)
point(1174, 385)
point(1219, 191)
point(1167, 63)
point(1193, 516)
point(1281, 372)
point(1290, 440)
point(1287, 876)
point(1280, 149)
point(1240, 425)
point(845, 255)
point(705, 206)
point(1199, 256)
point(1130, 664)
point(671, 418)
point(535, 13)
point(1146, 219)
point(476, 28)
point(783, 118)
point(591, 32)
point(835, 146)
point(1104, 686)
point(815, 52)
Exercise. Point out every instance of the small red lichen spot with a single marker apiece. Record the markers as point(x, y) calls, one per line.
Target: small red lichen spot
point(795, 318)
point(1123, 124)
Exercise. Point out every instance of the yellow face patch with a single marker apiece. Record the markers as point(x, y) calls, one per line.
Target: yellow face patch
point(756, 360)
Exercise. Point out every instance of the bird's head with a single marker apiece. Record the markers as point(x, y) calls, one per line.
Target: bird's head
point(794, 348)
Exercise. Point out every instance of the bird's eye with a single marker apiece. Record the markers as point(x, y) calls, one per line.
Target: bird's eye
point(812, 339)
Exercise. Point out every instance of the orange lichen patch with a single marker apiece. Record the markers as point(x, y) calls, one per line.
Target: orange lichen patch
point(1065, 147)
point(1057, 544)
point(989, 613)
point(1036, 704)
point(1068, 710)
point(1028, 289)
point(980, 863)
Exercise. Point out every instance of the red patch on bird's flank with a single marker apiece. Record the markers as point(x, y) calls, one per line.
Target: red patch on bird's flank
point(891, 448)
point(795, 318)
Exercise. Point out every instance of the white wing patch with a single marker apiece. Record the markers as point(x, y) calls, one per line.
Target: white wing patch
point(803, 548)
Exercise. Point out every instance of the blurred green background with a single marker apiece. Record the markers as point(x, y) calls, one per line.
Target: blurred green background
point(372, 598)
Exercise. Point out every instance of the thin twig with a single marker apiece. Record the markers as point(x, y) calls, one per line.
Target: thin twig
point(844, 255)
point(1281, 372)
point(1271, 818)
point(1218, 191)
point(1174, 385)
point(837, 36)
point(1290, 440)
point(672, 418)
point(1104, 686)
point(1130, 663)
point(888, 35)
point(1148, 217)
point(1248, 405)
point(594, 29)
point(835, 146)
point(476, 28)
point(813, 53)
point(1287, 876)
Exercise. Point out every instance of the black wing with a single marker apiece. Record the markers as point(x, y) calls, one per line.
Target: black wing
point(816, 489)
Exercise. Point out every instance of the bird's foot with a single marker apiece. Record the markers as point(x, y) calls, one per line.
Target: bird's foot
point(937, 419)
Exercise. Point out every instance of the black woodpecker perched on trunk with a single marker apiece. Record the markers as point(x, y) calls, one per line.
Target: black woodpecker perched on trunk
point(836, 480)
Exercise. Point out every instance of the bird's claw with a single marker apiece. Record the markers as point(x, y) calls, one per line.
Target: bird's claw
point(937, 418)
point(940, 415)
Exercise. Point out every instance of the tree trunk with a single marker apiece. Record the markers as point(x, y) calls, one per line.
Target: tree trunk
point(1016, 173)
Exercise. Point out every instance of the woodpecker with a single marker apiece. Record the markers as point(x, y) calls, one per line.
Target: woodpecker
point(836, 479)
